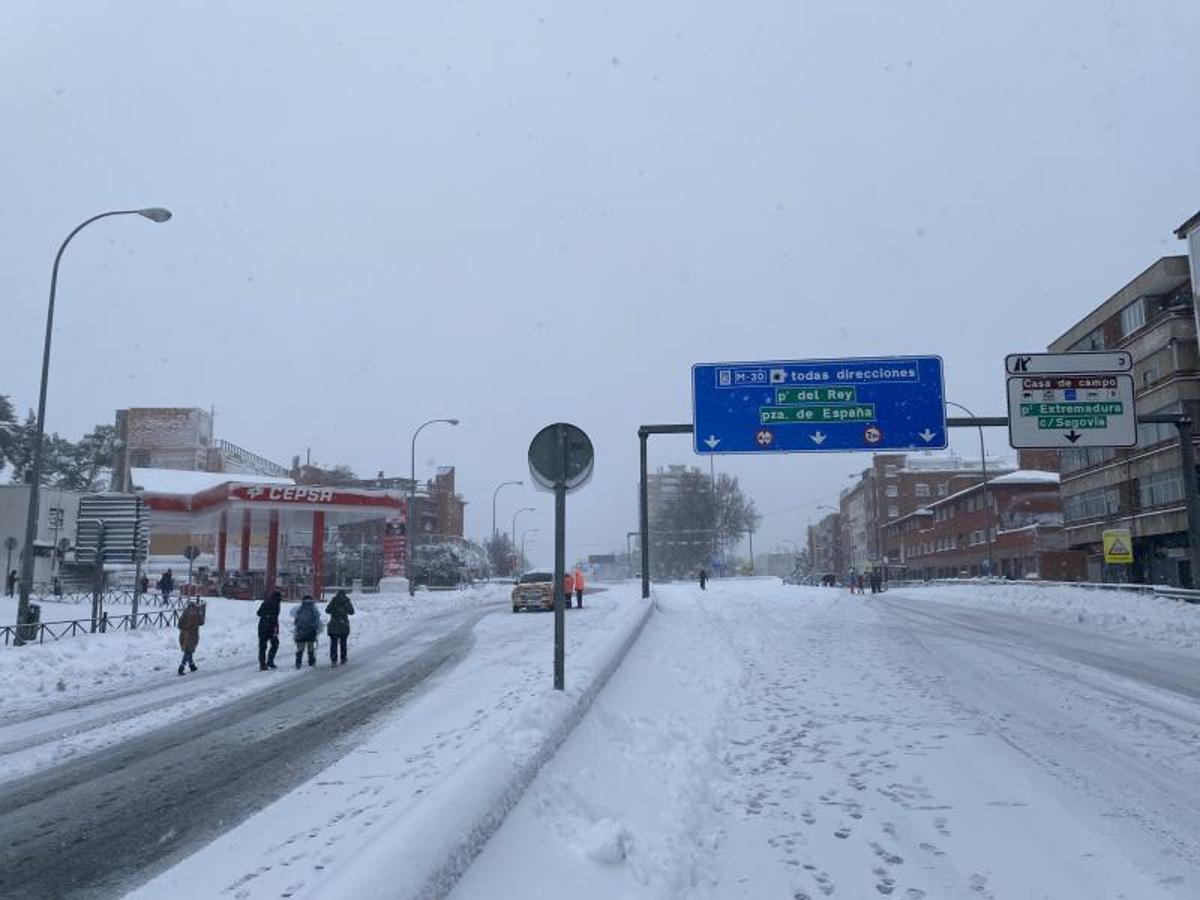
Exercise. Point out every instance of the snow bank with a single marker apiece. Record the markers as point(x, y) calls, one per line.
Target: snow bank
point(423, 855)
point(1150, 618)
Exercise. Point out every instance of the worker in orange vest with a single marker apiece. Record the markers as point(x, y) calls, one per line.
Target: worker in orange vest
point(568, 588)
point(579, 585)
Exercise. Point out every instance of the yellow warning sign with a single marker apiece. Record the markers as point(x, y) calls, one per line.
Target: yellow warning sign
point(1118, 546)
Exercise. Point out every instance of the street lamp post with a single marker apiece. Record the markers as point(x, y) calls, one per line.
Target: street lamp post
point(154, 214)
point(523, 534)
point(412, 499)
point(987, 507)
point(523, 509)
point(494, 494)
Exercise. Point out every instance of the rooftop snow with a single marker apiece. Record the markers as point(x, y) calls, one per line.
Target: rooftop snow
point(1026, 476)
point(175, 481)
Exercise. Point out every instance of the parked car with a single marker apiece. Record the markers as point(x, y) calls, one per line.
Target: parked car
point(533, 590)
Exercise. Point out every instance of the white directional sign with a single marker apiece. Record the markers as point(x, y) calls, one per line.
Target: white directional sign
point(1063, 400)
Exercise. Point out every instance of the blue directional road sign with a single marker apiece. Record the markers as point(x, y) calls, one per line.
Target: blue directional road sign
point(819, 405)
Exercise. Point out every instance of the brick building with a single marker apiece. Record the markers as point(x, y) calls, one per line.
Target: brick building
point(949, 537)
point(894, 486)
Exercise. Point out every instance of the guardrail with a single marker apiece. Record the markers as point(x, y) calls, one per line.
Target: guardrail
point(1156, 590)
point(110, 595)
point(38, 632)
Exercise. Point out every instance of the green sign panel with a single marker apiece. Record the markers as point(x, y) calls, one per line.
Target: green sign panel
point(863, 412)
point(786, 396)
point(1085, 422)
point(1072, 409)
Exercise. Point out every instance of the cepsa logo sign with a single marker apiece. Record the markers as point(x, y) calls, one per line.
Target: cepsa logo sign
point(286, 493)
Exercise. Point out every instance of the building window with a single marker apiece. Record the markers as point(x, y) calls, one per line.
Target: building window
point(944, 489)
point(1074, 460)
point(893, 510)
point(1094, 340)
point(893, 490)
point(1156, 434)
point(1133, 317)
point(1160, 489)
point(921, 490)
point(1093, 504)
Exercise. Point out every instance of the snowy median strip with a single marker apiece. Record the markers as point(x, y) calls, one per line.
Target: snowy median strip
point(423, 854)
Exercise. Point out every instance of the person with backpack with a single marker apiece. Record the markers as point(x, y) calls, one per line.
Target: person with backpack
point(339, 610)
point(307, 626)
point(268, 630)
point(190, 621)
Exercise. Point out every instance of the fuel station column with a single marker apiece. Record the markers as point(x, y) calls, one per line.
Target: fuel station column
point(318, 554)
point(272, 550)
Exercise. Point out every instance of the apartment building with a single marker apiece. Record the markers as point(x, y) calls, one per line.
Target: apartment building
point(1153, 318)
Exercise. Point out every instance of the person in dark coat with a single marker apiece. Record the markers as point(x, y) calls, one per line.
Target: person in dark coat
point(307, 619)
point(10, 582)
point(339, 610)
point(703, 579)
point(166, 583)
point(190, 621)
point(268, 630)
point(145, 584)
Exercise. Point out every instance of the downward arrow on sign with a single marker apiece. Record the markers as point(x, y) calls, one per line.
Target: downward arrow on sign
point(711, 442)
point(926, 435)
point(817, 437)
point(1072, 435)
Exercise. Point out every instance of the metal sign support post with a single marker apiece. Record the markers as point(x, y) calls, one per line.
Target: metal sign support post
point(98, 577)
point(137, 593)
point(560, 564)
point(644, 433)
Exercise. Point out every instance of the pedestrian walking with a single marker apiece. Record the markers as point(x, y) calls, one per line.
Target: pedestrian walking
point(166, 582)
point(703, 579)
point(190, 621)
point(268, 630)
point(339, 610)
point(145, 584)
point(307, 626)
point(860, 581)
point(568, 589)
point(579, 586)
point(10, 582)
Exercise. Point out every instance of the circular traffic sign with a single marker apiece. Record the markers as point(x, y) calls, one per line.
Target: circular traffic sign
point(561, 455)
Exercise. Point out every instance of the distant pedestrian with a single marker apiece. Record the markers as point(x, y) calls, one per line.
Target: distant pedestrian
point(339, 610)
point(145, 584)
point(10, 582)
point(268, 630)
point(579, 586)
point(703, 579)
point(876, 581)
point(166, 584)
point(307, 626)
point(190, 621)
point(568, 589)
point(860, 580)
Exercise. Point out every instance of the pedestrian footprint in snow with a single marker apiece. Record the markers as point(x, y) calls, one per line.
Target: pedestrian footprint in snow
point(339, 610)
point(190, 621)
point(268, 630)
point(307, 620)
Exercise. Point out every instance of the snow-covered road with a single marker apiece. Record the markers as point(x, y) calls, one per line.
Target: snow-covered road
point(772, 741)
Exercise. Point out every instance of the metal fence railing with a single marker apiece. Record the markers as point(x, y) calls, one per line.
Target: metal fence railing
point(39, 632)
point(1156, 590)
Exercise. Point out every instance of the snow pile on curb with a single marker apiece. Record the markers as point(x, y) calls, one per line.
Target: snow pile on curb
point(423, 855)
point(1127, 613)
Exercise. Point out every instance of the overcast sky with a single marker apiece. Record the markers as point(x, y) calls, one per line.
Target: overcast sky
point(516, 213)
